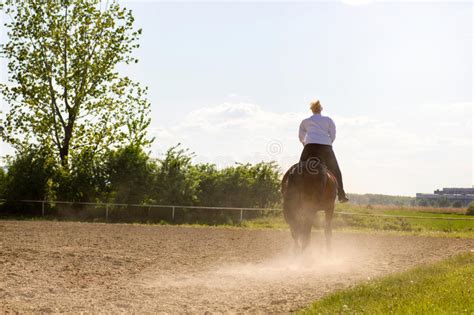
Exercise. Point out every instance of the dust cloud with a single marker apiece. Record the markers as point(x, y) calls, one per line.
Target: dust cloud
point(281, 269)
point(287, 265)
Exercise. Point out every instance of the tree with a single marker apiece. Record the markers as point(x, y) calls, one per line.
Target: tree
point(64, 90)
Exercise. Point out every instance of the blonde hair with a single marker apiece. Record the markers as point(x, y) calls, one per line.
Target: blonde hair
point(316, 107)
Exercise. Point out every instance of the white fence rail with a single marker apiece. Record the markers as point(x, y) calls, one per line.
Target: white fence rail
point(241, 210)
point(173, 208)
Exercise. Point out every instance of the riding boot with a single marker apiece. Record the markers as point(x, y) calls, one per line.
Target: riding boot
point(342, 196)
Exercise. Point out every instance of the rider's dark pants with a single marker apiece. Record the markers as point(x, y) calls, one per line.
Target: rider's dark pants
point(327, 156)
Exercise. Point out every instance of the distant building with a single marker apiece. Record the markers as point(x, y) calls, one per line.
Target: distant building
point(463, 195)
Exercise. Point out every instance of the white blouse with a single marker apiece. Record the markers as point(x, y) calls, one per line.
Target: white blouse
point(317, 129)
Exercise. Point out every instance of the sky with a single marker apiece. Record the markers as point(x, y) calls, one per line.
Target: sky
point(231, 81)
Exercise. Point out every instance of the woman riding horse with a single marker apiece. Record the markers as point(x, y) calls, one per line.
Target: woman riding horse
point(317, 133)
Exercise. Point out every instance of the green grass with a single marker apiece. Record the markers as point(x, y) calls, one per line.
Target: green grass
point(443, 288)
point(440, 225)
point(405, 224)
point(427, 227)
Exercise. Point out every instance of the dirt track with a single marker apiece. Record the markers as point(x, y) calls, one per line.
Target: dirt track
point(81, 267)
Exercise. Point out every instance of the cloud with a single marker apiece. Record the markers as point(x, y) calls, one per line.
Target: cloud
point(246, 116)
point(422, 126)
point(242, 132)
point(376, 153)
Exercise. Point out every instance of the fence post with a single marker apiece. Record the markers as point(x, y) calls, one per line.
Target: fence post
point(172, 213)
point(42, 208)
point(241, 215)
point(107, 213)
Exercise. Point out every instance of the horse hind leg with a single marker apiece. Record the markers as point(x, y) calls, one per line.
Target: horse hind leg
point(305, 235)
point(295, 236)
point(295, 233)
point(290, 213)
point(329, 213)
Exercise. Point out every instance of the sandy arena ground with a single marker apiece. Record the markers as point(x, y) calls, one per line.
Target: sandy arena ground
point(83, 267)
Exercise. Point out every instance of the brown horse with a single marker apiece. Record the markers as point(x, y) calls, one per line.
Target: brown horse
point(308, 187)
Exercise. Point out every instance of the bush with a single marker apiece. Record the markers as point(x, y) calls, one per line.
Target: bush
point(243, 185)
point(175, 180)
point(30, 176)
point(121, 176)
point(85, 181)
point(470, 209)
point(130, 175)
point(3, 178)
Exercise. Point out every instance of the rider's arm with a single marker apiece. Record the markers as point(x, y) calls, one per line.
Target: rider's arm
point(302, 132)
point(332, 130)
